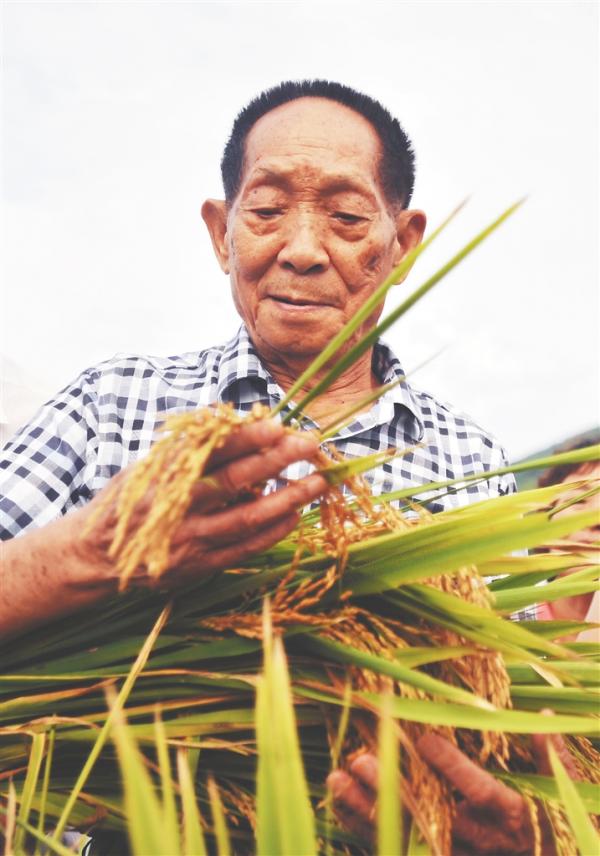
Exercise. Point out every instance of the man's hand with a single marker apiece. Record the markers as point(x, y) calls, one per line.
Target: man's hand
point(491, 818)
point(62, 566)
point(227, 522)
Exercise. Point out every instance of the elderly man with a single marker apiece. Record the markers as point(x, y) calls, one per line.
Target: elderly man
point(318, 180)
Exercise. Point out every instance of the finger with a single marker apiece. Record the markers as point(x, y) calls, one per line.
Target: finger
point(239, 521)
point(245, 472)
point(232, 556)
point(250, 437)
point(540, 744)
point(478, 837)
point(352, 804)
point(362, 829)
point(365, 768)
point(477, 786)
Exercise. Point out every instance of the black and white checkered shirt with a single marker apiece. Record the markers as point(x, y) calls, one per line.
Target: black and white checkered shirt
point(107, 418)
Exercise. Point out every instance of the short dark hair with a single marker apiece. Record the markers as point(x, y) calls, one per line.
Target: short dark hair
point(397, 166)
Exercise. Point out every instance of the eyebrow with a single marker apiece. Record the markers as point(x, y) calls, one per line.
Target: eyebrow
point(332, 183)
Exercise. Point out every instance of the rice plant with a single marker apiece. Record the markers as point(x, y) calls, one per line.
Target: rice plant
point(208, 721)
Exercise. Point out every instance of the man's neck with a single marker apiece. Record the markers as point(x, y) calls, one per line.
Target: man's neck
point(348, 390)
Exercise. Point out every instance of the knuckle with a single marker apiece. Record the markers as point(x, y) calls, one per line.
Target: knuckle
point(227, 482)
point(250, 517)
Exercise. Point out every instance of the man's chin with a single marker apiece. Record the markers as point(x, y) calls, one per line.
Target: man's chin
point(293, 339)
point(283, 349)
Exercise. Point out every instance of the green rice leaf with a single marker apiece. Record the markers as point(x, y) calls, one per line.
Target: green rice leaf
point(38, 744)
point(546, 788)
point(581, 671)
point(519, 568)
point(577, 456)
point(556, 628)
point(285, 820)
point(458, 716)
point(143, 810)
point(416, 846)
point(218, 818)
point(562, 699)
point(193, 837)
point(169, 807)
point(419, 656)
point(45, 783)
point(338, 473)
point(389, 807)
point(476, 623)
point(581, 825)
point(352, 656)
point(452, 547)
point(372, 335)
point(362, 314)
point(102, 737)
point(580, 582)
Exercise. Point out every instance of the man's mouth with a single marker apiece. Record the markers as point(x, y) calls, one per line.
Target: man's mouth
point(299, 302)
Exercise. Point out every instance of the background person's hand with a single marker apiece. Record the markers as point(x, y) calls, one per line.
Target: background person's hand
point(226, 523)
point(491, 818)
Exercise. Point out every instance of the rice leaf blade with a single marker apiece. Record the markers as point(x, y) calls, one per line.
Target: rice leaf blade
point(38, 744)
point(193, 837)
point(371, 337)
point(285, 819)
point(104, 733)
point(586, 836)
point(389, 807)
point(218, 819)
point(363, 313)
point(143, 810)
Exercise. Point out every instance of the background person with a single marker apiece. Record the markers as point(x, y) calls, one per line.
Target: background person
point(580, 607)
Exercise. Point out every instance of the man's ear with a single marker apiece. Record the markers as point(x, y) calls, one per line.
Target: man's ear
point(214, 214)
point(410, 227)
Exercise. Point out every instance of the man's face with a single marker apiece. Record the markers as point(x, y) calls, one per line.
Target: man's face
point(310, 235)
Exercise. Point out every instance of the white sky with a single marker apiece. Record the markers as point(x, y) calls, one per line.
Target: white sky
point(114, 118)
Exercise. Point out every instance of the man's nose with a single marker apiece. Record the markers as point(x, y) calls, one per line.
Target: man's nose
point(303, 251)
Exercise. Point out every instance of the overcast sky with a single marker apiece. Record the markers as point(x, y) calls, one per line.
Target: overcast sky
point(114, 118)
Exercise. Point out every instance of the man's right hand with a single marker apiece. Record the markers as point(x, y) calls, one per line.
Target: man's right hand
point(226, 523)
point(62, 567)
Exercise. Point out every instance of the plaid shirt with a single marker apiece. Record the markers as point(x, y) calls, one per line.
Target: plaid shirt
point(107, 418)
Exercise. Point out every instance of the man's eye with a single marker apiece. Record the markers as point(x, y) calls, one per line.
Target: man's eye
point(345, 217)
point(267, 213)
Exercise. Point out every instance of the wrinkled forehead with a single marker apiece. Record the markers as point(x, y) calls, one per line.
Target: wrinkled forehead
point(313, 135)
point(325, 176)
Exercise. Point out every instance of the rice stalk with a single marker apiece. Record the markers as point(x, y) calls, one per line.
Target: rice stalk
point(401, 598)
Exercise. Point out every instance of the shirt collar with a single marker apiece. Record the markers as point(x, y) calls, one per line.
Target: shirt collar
point(240, 367)
point(241, 373)
point(387, 367)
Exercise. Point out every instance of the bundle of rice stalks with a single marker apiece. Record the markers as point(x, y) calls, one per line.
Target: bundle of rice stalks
point(370, 603)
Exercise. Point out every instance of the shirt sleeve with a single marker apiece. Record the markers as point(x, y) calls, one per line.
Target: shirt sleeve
point(500, 485)
point(43, 467)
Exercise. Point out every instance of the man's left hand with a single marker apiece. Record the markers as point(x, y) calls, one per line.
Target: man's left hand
point(491, 818)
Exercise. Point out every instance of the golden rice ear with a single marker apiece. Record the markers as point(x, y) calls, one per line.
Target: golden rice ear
point(168, 475)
